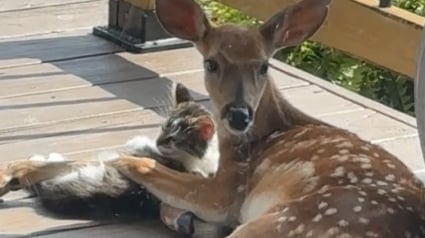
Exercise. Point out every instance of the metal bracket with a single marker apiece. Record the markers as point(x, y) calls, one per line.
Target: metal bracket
point(385, 3)
point(136, 30)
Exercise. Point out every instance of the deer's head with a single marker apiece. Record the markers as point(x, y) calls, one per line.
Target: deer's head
point(236, 57)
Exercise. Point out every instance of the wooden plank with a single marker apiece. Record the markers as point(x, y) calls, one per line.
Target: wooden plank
point(83, 72)
point(370, 125)
point(344, 93)
point(407, 150)
point(136, 119)
point(22, 218)
point(168, 61)
point(12, 5)
point(307, 98)
point(52, 47)
point(359, 28)
point(53, 19)
point(128, 230)
point(88, 141)
point(83, 102)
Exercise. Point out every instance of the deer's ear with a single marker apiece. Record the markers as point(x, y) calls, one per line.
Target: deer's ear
point(295, 24)
point(182, 94)
point(182, 18)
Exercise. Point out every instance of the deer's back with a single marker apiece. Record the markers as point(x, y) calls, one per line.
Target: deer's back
point(313, 161)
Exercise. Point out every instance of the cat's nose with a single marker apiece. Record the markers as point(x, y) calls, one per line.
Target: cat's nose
point(239, 117)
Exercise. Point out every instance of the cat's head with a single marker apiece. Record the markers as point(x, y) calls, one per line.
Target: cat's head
point(189, 128)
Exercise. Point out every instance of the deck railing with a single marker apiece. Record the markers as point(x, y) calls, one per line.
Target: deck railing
point(388, 37)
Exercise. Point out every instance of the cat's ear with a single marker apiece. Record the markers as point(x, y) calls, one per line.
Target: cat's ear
point(182, 94)
point(205, 126)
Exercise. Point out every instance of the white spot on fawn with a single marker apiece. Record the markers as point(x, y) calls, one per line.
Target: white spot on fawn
point(369, 174)
point(265, 164)
point(367, 181)
point(372, 234)
point(364, 220)
point(339, 172)
point(322, 205)
point(357, 209)
point(352, 177)
point(343, 223)
point(390, 177)
point(346, 144)
point(390, 210)
point(317, 218)
point(331, 211)
point(282, 219)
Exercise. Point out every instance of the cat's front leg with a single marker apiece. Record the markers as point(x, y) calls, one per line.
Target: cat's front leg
point(205, 197)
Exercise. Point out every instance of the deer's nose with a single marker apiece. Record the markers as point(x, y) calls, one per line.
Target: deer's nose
point(239, 117)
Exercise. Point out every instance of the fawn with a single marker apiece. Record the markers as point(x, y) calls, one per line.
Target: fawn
point(282, 173)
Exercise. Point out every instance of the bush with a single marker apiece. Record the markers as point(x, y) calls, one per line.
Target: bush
point(384, 86)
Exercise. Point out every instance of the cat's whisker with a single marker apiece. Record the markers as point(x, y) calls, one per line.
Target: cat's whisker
point(162, 108)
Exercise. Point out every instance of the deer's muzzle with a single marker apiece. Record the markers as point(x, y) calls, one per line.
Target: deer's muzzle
point(238, 117)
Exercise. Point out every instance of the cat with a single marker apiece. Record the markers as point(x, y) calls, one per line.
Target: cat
point(187, 142)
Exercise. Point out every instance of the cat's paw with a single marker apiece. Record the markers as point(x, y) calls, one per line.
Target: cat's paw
point(38, 157)
point(141, 146)
point(52, 157)
point(55, 157)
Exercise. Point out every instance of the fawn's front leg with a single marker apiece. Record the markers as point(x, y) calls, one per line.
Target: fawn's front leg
point(210, 199)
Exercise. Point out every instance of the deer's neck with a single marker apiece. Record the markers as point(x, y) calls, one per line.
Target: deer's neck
point(274, 113)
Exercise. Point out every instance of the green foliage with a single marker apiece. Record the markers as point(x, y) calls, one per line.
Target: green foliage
point(382, 85)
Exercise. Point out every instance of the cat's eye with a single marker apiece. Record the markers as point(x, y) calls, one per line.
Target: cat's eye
point(264, 68)
point(211, 65)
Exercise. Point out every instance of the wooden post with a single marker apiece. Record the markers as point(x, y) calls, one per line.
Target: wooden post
point(133, 25)
point(420, 97)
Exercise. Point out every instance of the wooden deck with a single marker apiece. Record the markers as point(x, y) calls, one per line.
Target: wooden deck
point(64, 90)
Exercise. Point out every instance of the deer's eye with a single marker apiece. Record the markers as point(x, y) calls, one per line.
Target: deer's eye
point(211, 66)
point(264, 68)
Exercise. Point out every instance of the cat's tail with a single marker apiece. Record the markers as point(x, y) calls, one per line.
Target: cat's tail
point(95, 188)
